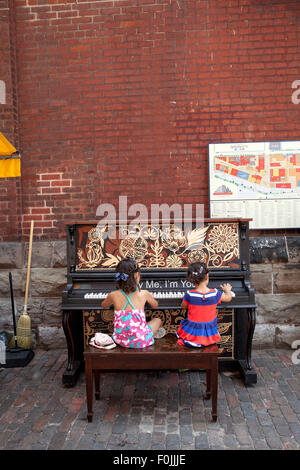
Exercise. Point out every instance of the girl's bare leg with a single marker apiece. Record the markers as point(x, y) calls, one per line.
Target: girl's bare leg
point(155, 324)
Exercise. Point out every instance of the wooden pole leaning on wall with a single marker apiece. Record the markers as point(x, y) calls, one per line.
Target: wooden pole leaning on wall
point(24, 322)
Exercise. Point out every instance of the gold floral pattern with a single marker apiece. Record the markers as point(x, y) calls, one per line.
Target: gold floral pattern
point(174, 261)
point(196, 256)
point(94, 252)
point(223, 238)
point(154, 246)
point(134, 247)
point(172, 238)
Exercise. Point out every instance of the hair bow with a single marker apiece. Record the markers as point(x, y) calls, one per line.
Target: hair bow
point(200, 271)
point(122, 276)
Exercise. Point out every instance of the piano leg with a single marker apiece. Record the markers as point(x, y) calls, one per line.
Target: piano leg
point(73, 329)
point(251, 322)
point(250, 376)
point(244, 325)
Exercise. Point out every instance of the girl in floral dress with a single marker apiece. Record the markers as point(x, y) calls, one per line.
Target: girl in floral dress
point(130, 327)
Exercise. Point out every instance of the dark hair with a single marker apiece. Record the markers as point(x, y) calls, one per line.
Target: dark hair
point(127, 266)
point(196, 272)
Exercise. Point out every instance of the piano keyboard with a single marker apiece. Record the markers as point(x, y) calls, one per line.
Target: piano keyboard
point(156, 295)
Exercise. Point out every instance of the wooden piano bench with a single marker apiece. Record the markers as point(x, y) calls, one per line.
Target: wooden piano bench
point(165, 354)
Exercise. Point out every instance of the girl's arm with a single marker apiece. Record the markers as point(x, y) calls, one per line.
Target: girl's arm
point(107, 302)
point(185, 303)
point(227, 295)
point(151, 300)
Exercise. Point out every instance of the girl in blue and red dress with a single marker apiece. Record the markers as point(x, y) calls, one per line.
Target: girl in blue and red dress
point(200, 328)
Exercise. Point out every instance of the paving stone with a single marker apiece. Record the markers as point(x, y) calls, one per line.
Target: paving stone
point(283, 430)
point(159, 428)
point(155, 410)
point(254, 427)
point(264, 418)
point(145, 441)
point(116, 441)
point(243, 435)
point(99, 446)
point(201, 441)
point(173, 442)
point(295, 428)
point(146, 424)
point(289, 415)
point(230, 441)
point(185, 416)
point(120, 425)
point(260, 444)
point(272, 438)
point(186, 436)
point(247, 409)
point(172, 428)
point(289, 444)
point(159, 417)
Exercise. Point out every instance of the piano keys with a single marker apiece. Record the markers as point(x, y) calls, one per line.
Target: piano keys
point(222, 244)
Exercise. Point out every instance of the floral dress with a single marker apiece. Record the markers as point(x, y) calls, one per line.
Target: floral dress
point(130, 327)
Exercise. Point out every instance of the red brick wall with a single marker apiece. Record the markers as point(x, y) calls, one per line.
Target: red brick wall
point(123, 97)
point(10, 188)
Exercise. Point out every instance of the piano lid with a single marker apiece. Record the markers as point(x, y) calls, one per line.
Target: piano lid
point(221, 244)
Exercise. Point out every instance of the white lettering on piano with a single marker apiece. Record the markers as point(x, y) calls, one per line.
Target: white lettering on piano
point(186, 284)
point(173, 284)
point(152, 284)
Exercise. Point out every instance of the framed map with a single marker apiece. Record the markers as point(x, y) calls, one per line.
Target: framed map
point(257, 180)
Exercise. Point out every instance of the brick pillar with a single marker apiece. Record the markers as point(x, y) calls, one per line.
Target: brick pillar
point(10, 188)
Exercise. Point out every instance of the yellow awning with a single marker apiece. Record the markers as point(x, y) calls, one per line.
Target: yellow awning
point(6, 148)
point(10, 167)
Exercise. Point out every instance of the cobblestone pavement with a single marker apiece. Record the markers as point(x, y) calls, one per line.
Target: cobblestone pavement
point(160, 410)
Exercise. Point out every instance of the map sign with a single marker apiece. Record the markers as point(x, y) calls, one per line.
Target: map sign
point(258, 180)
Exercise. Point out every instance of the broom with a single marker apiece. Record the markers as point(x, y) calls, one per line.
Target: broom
point(24, 322)
point(15, 356)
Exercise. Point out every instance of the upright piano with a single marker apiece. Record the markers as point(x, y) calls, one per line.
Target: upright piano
point(163, 252)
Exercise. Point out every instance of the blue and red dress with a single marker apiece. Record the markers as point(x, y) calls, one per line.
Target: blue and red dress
point(200, 328)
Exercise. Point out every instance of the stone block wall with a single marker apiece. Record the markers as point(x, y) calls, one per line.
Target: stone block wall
point(275, 276)
point(275, 269)
point(47, 280)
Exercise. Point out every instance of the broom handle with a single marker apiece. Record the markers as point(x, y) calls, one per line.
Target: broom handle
point(28, 265)
point(12, 304)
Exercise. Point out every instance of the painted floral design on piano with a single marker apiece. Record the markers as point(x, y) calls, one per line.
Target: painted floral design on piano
point(174, 261)
point(223, 239)
point(196, 256)
point(156, 258)
point(216, 244)
point(93, 251)
point(134, 246)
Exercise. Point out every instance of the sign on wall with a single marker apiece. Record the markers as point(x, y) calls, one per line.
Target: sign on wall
point(10, 163)
point(256, 180)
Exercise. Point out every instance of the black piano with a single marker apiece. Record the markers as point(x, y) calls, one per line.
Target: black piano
point(163, 253)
